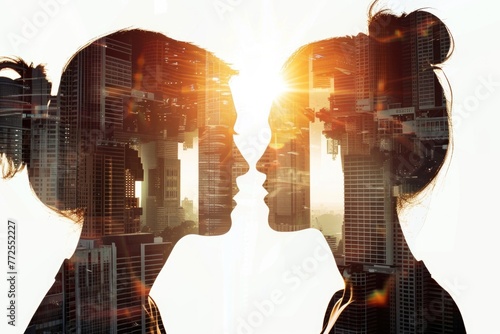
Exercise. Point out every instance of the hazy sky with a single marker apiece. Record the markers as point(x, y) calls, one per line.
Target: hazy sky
point(189, 171)
point(327, 181)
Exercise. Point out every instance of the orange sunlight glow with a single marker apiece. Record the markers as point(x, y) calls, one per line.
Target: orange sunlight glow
point(269, 83)
point(276, 86)
point(259, 61)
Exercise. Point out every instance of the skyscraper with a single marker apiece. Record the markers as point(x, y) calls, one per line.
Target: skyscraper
point(413, 133)
point(163, 78)
point(94, 88)
point(11, 134)
point(138, 260)
point(44, 152)
point(216, 118)
point(387, 120)
point(286, 160)
point(30, 127)
point(400, 157)
point(125, 104)
point(19, 97)
point(89, 292)
point(104, 287)
point(193, 85)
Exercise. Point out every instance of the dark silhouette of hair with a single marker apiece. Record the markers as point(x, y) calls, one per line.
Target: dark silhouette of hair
point(20, 66)
point(412, 82)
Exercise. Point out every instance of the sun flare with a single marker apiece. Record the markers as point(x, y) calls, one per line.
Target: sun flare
point(276, 86)
point(268, 85)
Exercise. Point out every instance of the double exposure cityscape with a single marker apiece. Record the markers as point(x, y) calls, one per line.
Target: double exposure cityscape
point(140, 138)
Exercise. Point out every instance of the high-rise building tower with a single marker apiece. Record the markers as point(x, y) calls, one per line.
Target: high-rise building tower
point(163, 170)
point(94, 88)
point(387, 120)
point(45, 152)
point(413, 135)
point(89, 292)
point(188, 206)
point(138, 260)
point(11, 119)
point(29, 126)
point(172, 73)
point(104, 287)
point(19, 97)
point(216, 118)
point(286, 160)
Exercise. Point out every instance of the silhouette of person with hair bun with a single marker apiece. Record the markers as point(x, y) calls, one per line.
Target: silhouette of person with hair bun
point(385, 116)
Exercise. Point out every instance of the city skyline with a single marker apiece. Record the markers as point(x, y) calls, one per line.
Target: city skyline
point(54, 43)
point(129, 127)
point(129, 106)
point(384, 117)
point(401, 115)
point(167, 83)
point(135, 135)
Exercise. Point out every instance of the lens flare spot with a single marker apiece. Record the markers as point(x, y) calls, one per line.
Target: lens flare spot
point(378, 298)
